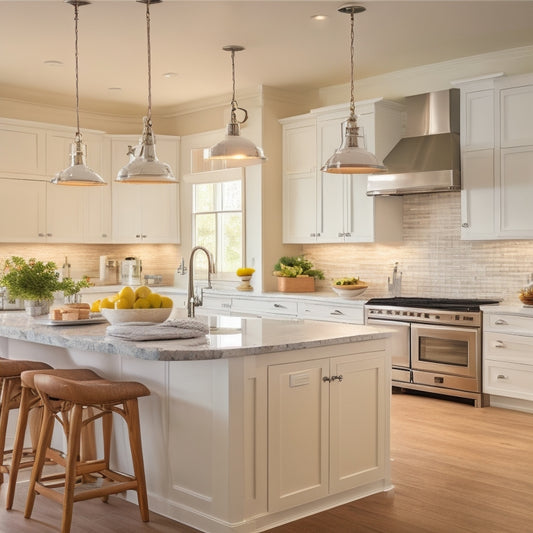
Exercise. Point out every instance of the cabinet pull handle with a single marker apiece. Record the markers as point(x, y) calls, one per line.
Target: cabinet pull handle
point(312, 235)
point(465, 225)
point(337, 378)
point(279, 306)
point(40, 234)
point(348, 234)
point(501, 376)
point(325, 379)
point(104, 234)
point(500, 322)
point(48, 234)
point(498, 344)
point(144, 236)
point(137, 236)
point(336, 312)
point(341, 234)
point(318, 234)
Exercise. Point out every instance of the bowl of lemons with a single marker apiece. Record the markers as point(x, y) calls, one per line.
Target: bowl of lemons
point(349, 287)
point(134, 305)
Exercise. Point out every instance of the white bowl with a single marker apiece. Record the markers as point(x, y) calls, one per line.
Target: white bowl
point(349, 291)
point(119, 316)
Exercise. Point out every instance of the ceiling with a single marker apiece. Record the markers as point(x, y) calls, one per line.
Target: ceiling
point(285, 47)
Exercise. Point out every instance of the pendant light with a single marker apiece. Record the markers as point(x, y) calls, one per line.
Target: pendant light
point(144, 167)
point(351, 157)
point(236, 150)
point(78, 173)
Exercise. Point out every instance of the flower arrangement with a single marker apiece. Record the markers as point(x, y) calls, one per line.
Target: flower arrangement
point(30, 280)
point(296, 267)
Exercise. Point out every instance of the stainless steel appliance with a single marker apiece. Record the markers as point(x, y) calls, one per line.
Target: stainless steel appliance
point(131, 271)
point(435, 343)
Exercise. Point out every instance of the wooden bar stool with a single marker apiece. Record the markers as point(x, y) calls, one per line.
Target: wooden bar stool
point(10, 371)
point(30, 399)
point(62, 395)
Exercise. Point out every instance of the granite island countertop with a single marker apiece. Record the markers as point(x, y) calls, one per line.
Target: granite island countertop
point(228, 337)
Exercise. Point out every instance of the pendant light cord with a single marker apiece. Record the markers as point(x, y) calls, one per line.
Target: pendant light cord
point(233, 100)
point(76, 17)
point(149, 117)
point(352, 71)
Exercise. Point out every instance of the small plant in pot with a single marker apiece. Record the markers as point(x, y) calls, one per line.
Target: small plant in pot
point(32, 281)
point(296, 274)
point(71, 289)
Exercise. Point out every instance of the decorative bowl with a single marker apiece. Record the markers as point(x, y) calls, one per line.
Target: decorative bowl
point(119, 316)
point(526, 299)
point(350, 291)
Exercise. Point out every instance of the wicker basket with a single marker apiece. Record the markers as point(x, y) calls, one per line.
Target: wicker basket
point(296, 284)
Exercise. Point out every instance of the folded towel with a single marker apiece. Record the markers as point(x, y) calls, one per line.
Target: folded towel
point(182, 328)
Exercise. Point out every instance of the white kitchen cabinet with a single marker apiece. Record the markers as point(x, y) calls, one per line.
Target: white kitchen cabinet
point(326, 427)
point(23, 213)
point(328, 208)
point(299, 180)
point(507, 355)
point(145, 212)
point(351, 312)
point(22, 149)
point(497, 158)
point(264, 307)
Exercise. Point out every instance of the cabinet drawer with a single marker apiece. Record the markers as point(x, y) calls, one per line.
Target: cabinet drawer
point(505, 347)
point(508, 323)
point(335, 313)
point(264, 307)
point(508, 379)
point(215, 302)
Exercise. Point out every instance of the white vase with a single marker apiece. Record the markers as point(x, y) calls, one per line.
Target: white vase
point(36, 307)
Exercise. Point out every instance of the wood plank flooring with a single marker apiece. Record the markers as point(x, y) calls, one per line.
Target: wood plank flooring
point(456, 469)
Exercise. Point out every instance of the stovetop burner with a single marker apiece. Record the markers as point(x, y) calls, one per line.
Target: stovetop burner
point(450, 304)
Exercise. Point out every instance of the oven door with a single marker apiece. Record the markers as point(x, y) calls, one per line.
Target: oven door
point(446, 349)
point(398, 345)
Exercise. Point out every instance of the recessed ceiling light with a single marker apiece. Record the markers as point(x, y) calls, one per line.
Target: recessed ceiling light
point(53, 63)
point(170, 74)
point(319, 17)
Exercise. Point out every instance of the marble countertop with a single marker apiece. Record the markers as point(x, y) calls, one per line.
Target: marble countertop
point(513, 309)
point(229, 337)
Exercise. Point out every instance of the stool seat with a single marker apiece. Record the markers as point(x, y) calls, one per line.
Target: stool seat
point(78, 374)
point(12, 368)
point(93, 392)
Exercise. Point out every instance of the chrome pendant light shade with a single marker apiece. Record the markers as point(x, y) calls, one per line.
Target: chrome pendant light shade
point(237, 151)
point(78, 173)
point(144, 166)
point(352, 157)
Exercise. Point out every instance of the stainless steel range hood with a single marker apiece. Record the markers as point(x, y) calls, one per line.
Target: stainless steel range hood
point(428, 158)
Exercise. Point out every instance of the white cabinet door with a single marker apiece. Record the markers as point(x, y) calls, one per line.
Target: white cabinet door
point(516, 191)
point(22, 150)
point(478, 195)
point(357, 422)
point(477, 119)
point(299, 182)
point(516, 115)
point(144, 213)
point(23, 213)
point(65, 213)
point(298, 437)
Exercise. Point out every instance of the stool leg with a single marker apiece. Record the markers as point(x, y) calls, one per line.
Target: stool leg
point(25, 401)
point(7, 391)
point(45, 438)
point(107, 431)
point(131, 409)
point(73, 447)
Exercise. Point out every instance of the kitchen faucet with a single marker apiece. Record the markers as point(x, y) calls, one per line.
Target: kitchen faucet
point(194, 300)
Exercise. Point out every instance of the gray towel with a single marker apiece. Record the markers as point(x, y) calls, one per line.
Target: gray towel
point(182, 328)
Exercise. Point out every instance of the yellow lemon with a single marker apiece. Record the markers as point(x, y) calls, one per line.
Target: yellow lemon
point(142, 292)
point(154, 299)
point(114, 297)
point(141, 303)
point(95, 306)
point(127, 293)
point(166, 302)
point(106, 303)
point(123, 303)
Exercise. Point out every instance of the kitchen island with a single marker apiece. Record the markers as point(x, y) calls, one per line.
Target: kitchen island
point(258, 423)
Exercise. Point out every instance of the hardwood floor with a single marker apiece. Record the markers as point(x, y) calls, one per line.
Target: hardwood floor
point(456, 469)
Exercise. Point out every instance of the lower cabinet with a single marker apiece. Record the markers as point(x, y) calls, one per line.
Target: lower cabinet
point(507, 349)
point(326, 427)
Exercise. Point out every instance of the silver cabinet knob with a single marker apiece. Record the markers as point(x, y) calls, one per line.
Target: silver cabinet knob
point(465, 225)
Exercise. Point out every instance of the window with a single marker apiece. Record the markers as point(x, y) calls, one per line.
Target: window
point(218, 223)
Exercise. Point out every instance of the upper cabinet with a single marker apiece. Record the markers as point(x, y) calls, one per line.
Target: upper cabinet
point(329, 208)
point(145, 213)
point(497, 158)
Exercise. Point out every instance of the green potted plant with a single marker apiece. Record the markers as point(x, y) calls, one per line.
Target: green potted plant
point(32, 281)
point(296, 274)
point(71, 289)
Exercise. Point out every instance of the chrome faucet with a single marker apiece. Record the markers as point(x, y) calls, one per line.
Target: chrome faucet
point(194, 300)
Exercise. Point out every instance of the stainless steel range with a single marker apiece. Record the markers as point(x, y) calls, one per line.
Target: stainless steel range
point(435, 343)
